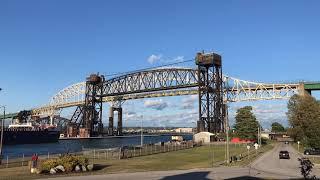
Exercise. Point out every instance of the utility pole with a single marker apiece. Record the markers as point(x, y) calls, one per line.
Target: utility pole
point(227, 132)
point(259, 134)
point(1, 139)
point(2, 129)
point(141, 132)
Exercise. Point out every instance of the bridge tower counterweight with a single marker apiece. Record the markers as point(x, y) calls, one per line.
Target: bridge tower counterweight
point(210, 93)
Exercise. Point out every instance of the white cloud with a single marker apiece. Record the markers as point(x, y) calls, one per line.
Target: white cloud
point(188, 102)
point(181, 119)
point(154, 58)
point(130, 114)
point(158, 104)
point(185, 112)
point(266, 113)
point(178, 59)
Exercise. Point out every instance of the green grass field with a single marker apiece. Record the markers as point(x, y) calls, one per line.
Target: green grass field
point(200, 157)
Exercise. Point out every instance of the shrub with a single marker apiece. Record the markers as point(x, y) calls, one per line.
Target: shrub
point(48, 164)
point(83, 161)
point(69, 162)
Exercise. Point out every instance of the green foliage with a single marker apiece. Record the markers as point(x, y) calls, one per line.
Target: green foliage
point(277, 127)
point(246, 126)
point(48, 164)
point(304, 119)
point(69, 162)
point(83, 160)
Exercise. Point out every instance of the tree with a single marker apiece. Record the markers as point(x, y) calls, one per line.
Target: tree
point(304, 119)
point(246, 126)
point(277, 127)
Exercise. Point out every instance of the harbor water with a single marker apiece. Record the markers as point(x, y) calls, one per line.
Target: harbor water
point(77, 145)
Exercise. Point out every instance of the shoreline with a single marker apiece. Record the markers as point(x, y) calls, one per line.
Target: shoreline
point(73, 145)
point(126, 136)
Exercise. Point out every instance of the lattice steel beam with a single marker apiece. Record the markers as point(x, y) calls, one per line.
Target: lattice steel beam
point(186, 79)
point(150, 81)
point(236, 90)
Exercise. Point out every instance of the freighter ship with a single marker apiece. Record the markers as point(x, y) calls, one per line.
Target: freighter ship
point(29, 132)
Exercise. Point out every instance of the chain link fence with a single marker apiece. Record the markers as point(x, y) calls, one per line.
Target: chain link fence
point(106, 154)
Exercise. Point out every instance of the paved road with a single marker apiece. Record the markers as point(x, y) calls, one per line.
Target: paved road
point(271, 164)
point(194, 174)
point(267, 166)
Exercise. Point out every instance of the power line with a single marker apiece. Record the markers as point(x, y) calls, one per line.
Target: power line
point(153, 67)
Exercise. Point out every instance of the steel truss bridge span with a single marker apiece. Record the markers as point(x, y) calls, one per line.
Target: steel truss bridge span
point(161, 83)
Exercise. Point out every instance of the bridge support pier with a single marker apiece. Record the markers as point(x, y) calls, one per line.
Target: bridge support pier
point(118, 109)
point(201, 126)
point(119, 127)
point(111, 117)
point(302, 91)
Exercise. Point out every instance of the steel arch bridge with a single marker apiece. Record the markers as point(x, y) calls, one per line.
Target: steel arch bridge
point(213, 88)
point(161, 83)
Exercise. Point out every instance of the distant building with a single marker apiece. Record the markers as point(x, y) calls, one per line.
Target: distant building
point(163, 131)
point(204, 137)
point(265, 135)
point(281, 136)
point(184, 130)
point(177, 138)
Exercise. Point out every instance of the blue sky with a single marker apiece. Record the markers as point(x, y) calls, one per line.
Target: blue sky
point(48, 45)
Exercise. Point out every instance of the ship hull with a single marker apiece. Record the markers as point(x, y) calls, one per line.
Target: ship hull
point(12, 137)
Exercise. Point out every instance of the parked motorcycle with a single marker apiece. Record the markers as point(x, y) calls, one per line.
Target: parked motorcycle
point(306, 168)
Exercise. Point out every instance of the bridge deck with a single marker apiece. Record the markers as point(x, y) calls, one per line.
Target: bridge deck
point(11, 115)
point(312, 86)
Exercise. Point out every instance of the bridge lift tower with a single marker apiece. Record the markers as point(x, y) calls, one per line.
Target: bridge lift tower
point(211, 108)
point(92, 109)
